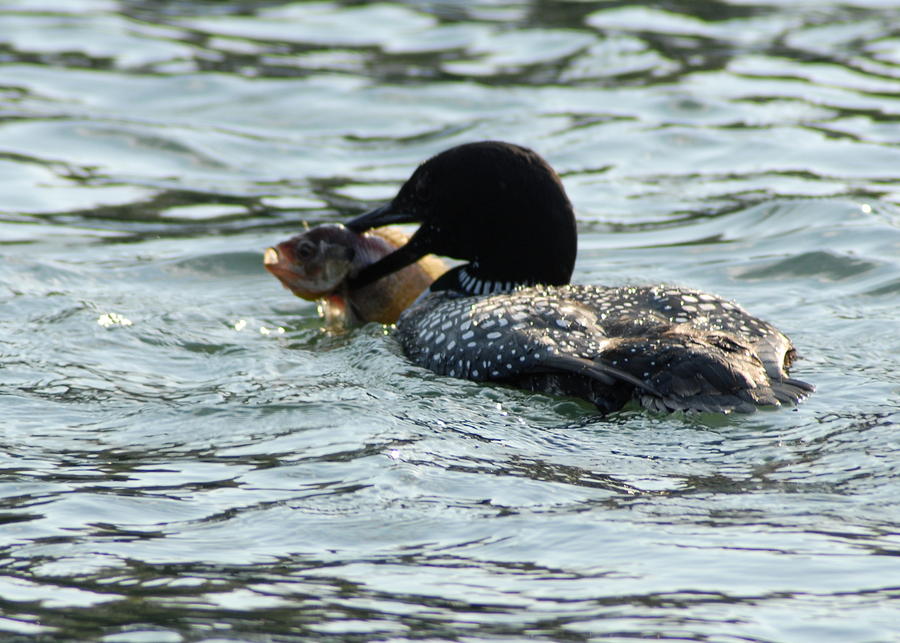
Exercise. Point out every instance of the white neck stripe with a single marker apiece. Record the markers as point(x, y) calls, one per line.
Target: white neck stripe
point(475, 286)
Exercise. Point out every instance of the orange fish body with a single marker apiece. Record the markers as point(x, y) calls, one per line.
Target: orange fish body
point(317, 265)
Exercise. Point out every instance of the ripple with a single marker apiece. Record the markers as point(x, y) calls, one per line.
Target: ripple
point(129, 43)
point(319, 24)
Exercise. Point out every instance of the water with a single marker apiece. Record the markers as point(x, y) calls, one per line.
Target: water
point(186, 456)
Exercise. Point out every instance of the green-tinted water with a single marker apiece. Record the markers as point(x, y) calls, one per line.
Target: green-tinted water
point(185, 456)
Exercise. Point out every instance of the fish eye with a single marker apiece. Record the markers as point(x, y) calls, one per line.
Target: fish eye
point(306, 250)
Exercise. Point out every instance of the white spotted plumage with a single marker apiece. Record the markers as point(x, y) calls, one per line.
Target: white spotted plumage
point(637, 338)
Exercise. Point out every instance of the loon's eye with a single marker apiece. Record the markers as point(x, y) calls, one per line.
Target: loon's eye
point(306, 250)
point(422, 190)
point(417, 190)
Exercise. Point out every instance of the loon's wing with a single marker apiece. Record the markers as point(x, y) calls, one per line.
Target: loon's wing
point(675, 372)
point(703, 371)
point(503, 337)
point(712, 347)
point(699, 311)
point(545, 341)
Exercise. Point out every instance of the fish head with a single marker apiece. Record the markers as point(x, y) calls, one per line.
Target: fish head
point(315, 263)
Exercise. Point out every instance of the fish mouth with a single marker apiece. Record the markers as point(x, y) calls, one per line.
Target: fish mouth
point(279, 264)
point(276, 264)
point(271, 257)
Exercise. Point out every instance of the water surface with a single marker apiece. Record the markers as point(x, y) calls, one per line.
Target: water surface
point(186, 456)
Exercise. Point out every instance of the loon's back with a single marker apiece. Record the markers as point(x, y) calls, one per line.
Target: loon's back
point(668, 348)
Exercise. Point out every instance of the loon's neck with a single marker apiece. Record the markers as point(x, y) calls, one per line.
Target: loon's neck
point(470, 279)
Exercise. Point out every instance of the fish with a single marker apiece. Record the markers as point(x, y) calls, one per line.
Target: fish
point(319, 264)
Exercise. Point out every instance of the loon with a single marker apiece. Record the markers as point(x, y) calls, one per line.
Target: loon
point(509, 314)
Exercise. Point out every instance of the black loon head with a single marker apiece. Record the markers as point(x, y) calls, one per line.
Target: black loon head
point(499, 206)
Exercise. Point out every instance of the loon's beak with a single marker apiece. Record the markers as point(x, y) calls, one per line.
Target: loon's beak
point(403, 256)
point(412, 251)
point(385, 215)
